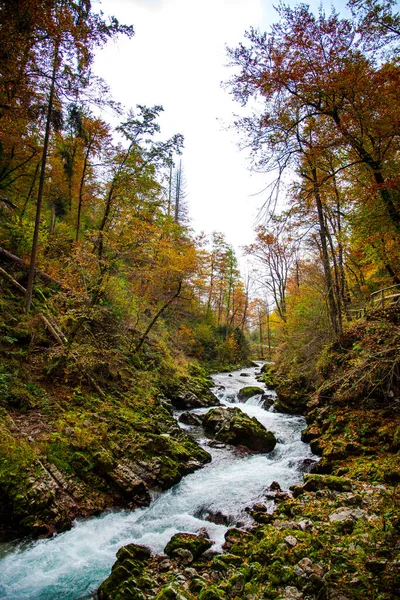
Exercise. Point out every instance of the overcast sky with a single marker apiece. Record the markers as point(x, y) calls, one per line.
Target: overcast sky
point(177, 58)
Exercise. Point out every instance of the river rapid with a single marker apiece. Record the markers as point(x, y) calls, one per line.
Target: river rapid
point(71, 565)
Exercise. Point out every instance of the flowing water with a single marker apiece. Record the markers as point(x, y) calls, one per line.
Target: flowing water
point(71, 565)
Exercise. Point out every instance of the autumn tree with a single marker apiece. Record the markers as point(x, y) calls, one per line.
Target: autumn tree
point(376, 18)
point(311, 68)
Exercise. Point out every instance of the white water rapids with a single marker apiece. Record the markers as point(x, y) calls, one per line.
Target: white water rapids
point(71, 565)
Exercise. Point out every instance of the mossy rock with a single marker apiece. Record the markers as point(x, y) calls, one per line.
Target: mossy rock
point(123, 581)
point(119, 579)
point(170, 592)
point(313, 482)
point(269, 376)
point(227, 560)
point(188, 392)
point(232, 426)
point(292, 395)
point(310, 433)
point(293, 404)
point(134, 552)
point(189, 418)
point(249, 391)
point(211, 593)
point(196, 544)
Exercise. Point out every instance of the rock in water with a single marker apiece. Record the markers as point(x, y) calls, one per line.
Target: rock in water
point(189, 418)
point(249, 391)
point(232, 426)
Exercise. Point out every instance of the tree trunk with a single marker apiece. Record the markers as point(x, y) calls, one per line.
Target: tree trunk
point(53, 219)
point(260, 333)
point(31, 275)
point(157, 316)
point(268, 332)
point(80, 199)
point(336, 326)
point(21, 216)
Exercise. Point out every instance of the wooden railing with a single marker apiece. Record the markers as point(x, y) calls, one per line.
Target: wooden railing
point(380, 299)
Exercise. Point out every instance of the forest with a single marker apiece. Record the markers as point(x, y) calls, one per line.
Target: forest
point(114, 312)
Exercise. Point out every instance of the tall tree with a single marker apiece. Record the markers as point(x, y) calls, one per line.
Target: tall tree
point(180, 194)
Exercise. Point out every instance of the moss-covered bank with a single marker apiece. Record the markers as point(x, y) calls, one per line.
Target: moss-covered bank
point(92, 433)
point(76, 454)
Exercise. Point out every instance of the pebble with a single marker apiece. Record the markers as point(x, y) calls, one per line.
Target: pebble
point(190, 573)
point(292, 593)
point(306, 564)
point(165, 565)
point(291, 540)
point(184, 556)
point(344, 514)
point(306, 525)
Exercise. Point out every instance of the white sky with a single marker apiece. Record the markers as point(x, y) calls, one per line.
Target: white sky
point(177, 59)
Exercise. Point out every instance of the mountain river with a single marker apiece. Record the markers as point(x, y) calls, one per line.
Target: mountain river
point(71, 565)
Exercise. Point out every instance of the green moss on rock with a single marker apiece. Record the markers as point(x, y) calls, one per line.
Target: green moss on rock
point(232, 426)
point(313, 482)
point(196, 544)
point(249, 391)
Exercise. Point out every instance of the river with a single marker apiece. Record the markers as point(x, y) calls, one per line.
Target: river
point(71, 565)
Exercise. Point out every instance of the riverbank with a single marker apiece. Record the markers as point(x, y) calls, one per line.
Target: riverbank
point(334, 537)
point(88, 383)
point(73, 453)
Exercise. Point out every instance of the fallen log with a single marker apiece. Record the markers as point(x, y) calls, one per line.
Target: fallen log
point(11, 280)
point(21, 263)
point(50, 328)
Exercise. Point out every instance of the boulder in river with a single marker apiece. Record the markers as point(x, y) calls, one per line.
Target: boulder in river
point(216, 517)
point(269, 400)
point(189, 418)
point(232, 426)
point(185, 399)
point(249, 391)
